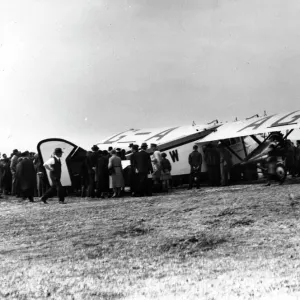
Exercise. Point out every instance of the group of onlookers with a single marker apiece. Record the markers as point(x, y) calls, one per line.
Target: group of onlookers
point(102, 171)
point(218, 162)
point(22, 175)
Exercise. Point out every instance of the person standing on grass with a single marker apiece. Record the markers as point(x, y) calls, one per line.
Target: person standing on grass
point(156, 160)
point(102, 174)
point(133, 174)
point(13, 169)
point(143, 167)
point(26, 176)
point(54, 166)
point(116, 174)
point(165, 172)
point(6, 175)
point(195, 161)
point(40, 175)
point(225, 164)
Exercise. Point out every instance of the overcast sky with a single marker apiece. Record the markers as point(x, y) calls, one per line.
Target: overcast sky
point(85, 69)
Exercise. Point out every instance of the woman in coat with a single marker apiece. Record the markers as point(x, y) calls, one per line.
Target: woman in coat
point(116, 174)
point(165, 172)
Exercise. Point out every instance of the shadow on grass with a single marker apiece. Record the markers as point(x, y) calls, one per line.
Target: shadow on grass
point(241, 222)
point(192, 245)
point(227, 212)
point(107, 295)
point(135, 228)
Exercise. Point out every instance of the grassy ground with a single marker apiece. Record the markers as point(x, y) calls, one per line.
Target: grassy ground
point(239, 242)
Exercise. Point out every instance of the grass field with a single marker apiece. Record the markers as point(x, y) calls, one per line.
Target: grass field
point(239, 242)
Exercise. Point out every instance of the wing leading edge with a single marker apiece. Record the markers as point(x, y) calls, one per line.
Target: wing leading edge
point(278, 122)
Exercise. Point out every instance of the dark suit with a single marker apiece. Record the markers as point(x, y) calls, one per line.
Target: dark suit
point(91, 162)
point(133, 175)
point(142, 165)
point(102, 175)
point(195, 161)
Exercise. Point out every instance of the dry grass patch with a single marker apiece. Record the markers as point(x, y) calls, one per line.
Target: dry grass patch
point(193, 245)
point(238, 242)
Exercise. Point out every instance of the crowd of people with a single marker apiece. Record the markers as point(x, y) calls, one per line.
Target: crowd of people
point(104, 169)
point(23, 175)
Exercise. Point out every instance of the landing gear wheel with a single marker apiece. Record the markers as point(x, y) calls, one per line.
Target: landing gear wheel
point(280, 172)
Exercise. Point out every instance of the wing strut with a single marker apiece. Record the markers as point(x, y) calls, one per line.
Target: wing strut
point(288, 133)
point(256, 139)
point(244, 146)
point(235, 154)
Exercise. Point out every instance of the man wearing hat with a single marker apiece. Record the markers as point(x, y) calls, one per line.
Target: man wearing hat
point(91, 162)
point(142, 164)
point(54, 166)
point(133, 175)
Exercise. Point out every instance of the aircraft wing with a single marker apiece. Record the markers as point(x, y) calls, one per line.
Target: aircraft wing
point(165, 138)
point(278, 122)
point(193, 137)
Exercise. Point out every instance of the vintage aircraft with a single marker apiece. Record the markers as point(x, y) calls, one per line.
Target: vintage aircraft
point(242, 138)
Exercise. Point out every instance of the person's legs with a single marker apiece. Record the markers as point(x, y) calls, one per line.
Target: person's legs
point(60, 191)
point(91, 188)
point(49, 193)
point(13, 184)
point(191, 180)
point(141, 184)
point(30, 194)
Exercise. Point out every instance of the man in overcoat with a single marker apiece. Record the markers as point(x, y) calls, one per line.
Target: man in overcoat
point(102, 174)
point(133, 175)
point(143, 167)
point(26, 176)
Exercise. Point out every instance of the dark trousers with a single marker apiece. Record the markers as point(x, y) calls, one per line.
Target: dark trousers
point(144, 185)
point(102, 186)
point(134, 180)
point(194, 177)
point(6, 186)
point(91, 188)
point(28, 193)
point(41, 187)
point(214, 175)
point(14, 186)
point(56, 186)
point(224, 173)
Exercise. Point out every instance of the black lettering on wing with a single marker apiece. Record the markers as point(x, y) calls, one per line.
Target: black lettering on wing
point(291, 122)
point(174, 155)
point(257, 123)
point(162, 134)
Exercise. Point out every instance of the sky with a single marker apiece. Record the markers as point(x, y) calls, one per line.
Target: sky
point(83, 70)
